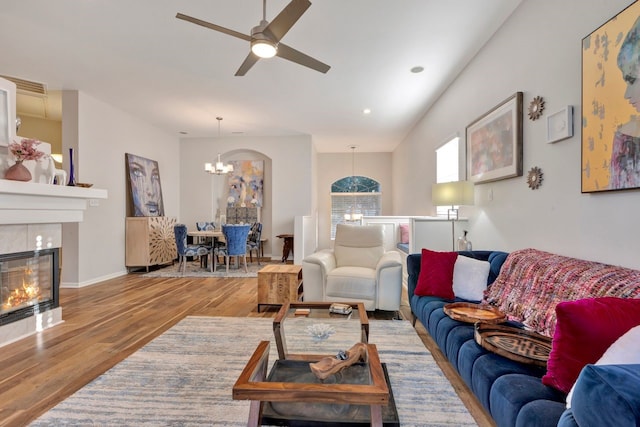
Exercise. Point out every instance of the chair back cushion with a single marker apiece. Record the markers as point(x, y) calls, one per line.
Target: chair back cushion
point(236, 237)
point(358, 245)
point(180, 232)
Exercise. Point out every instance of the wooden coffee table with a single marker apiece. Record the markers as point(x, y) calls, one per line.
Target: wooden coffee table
point(283, 384)
point(278, 284)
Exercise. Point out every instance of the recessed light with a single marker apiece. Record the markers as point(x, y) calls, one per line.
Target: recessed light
point(417, 69)
point(366, 111)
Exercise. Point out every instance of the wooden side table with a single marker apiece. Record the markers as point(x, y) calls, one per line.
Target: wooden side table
point(279, 283)
point(288, 245)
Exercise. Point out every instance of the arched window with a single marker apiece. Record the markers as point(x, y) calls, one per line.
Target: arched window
point(352, 198)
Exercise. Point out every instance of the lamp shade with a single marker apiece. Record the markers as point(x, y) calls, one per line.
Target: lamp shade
point(456, 193)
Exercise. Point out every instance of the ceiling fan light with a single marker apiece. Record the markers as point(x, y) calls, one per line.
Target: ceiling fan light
point(263, 48)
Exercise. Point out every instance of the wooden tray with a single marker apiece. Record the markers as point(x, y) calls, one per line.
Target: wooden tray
point(472, 313)
point(514, 343)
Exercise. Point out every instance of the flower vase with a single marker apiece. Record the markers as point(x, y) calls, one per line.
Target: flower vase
point(72, 176)
point(18, 172)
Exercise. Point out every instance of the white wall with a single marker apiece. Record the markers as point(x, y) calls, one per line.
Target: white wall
point(334, 166)
point(101, 134)
point(288, 180)
point(538, 52)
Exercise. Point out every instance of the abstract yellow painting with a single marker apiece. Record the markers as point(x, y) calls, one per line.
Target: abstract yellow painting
point(611, 104)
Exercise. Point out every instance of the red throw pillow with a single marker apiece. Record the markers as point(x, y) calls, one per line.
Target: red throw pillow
point(436, 274)
point(585, 329)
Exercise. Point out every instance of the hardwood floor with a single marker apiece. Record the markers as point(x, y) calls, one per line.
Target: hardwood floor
point(106, 322)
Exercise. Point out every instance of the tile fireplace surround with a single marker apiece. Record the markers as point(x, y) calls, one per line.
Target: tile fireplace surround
point(31, 217)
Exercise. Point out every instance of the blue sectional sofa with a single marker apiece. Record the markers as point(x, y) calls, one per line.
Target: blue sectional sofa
point(511, 392)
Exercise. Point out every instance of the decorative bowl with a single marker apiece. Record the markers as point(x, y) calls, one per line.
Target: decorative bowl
point(83, 185)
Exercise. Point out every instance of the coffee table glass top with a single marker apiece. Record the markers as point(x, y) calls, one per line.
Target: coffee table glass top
point(318, 333)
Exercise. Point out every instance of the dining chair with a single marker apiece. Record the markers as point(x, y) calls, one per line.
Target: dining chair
point(185, 250)
point(253, 241)
point(236, 244)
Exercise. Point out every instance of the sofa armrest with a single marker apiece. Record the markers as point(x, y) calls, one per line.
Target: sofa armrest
point(315, 268)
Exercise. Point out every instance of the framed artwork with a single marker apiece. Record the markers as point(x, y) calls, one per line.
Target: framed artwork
point(246, 183)
point(7, 112)
point(560, 125)
point(144, 189)
point(611, 104)
point(494, 142)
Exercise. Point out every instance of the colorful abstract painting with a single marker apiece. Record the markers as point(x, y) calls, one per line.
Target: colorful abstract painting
point(611, 104)
point(246, 183)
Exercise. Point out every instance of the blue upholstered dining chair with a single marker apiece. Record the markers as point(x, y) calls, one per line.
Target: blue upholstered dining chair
point(236, 239)
point(184, 249)
point(253, 241)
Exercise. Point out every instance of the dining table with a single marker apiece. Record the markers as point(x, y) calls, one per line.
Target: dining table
point(214, 235)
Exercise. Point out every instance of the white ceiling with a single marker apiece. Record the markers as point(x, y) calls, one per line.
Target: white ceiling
point(179, 76)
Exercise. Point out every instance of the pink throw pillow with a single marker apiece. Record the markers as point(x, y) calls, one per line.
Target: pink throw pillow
point(404, 233)
point(584, 330)
point(436, 274)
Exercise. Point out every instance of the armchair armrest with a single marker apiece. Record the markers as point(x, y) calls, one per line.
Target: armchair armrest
point(389, 259)
point(389, 279)
point(314, 274)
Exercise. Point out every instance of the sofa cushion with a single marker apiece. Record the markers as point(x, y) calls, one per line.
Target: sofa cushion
point(532, 282)
point(625, 351)
point(436, 274)
point(470, 278)
point(607, 395)
point(513, 391)
point(585, 329)
point(540, 412)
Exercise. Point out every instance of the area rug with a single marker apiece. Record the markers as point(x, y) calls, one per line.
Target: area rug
point(193, 269)
point(185, 376)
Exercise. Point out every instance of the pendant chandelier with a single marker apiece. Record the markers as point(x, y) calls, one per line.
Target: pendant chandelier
point(353, 214)
point(218, 168)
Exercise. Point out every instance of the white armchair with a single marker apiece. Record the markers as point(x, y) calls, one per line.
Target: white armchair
point(357, 270)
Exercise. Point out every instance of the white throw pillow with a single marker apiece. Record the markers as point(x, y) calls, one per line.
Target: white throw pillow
point(624, 351)
point(470, 278)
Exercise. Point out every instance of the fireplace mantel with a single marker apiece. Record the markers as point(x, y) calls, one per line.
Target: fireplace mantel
point(34, 203)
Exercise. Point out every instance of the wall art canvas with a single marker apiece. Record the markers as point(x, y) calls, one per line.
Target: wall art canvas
point(144, 188)
point(246, 183)
point(611, 104)
point(494, 142)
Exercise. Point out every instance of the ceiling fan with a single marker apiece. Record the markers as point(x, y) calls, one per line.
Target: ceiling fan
point(265, 38)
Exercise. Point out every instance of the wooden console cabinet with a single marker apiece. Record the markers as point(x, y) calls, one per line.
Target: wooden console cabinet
point(149, 241)
point(279, 283)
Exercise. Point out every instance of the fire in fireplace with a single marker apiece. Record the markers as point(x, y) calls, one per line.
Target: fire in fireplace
point(29, 284)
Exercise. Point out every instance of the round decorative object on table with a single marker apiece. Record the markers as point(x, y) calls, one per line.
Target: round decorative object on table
point(472, 313)
point(513, 343)
point(18, 172)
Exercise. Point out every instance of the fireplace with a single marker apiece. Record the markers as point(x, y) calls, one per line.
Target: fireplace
point(29, 284)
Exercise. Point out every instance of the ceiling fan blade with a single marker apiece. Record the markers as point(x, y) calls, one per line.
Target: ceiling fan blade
point(249, 62)
point(298, 57)
point(282, 23)
point(213, 26)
